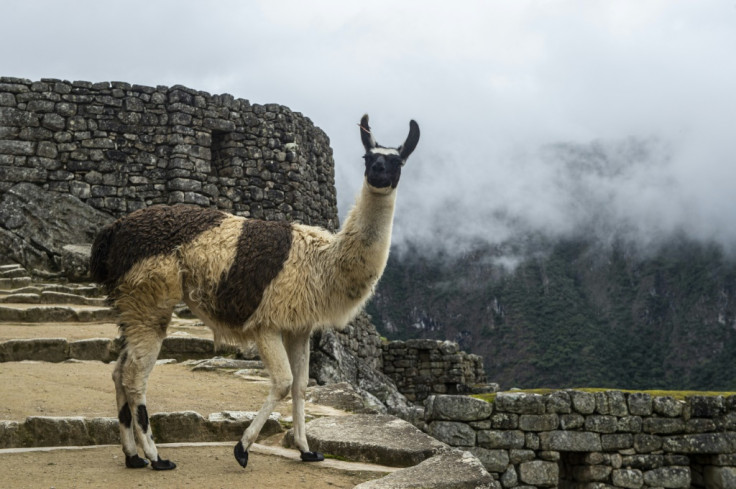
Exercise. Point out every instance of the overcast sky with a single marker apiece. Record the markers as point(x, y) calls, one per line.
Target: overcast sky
point(508, 95)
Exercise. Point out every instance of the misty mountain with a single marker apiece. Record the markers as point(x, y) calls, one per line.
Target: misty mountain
point(574, 312)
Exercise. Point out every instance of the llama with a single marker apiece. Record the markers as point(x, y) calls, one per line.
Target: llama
point(248, 280)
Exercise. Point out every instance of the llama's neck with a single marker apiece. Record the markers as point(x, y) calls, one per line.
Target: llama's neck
point(361, 246)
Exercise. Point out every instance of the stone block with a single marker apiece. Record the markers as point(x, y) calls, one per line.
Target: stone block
point(582, 402)
point(601, 424)
point(39, 349)
point(705, 406)
point(572, 421)
point(52, 431)
point(538, 422)
point(559, 402)
point(629, 424)
point(453, 433)
point(627, 478)
point(668, 477)
point(457, 408)
point(618, 441)
point(10, 434)
point(570, 441)
point(184, 426)
point(643, 461)
point(663, 426)
point(505, 421)
point(501, 439)
point(667, 406)
point(702, 443)
point(520, 403)
point(539, 473)
point(92, 349)
point(644, 443)
point(640, 404)
point(103, 431)
point(492, 460)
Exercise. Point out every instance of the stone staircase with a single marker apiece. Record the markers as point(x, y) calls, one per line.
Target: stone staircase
point(50, 321)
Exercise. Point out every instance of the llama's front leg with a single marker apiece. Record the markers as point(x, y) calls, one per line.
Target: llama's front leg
point(273, 354)
point(297, 347)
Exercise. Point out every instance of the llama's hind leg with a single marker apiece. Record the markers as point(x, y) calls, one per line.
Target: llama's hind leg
point(125, 418)
point(139, 362)
point(297, 348)
point(145, 301)
point(272, 352)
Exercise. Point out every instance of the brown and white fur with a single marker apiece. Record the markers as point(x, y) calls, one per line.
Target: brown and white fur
point(248, 280)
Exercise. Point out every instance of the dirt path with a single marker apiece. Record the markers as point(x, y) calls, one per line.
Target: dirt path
point(86, 389)
point(197, 467)
point(80, 331)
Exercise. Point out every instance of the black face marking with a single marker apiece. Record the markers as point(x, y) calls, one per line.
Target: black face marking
point(124, 416)
point(156, 230)
point(263, 247)
point(383, 170)
point(142, 417)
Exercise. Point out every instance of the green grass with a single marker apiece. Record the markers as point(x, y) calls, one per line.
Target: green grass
point(679, 395)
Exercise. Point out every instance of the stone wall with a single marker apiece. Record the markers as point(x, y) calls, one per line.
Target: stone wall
point(120, 147)
point(423, 367)
point(605, 440)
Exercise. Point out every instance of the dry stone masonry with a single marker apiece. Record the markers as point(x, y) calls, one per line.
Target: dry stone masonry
point(120, 147)
point(422, 367)
point(604, 440)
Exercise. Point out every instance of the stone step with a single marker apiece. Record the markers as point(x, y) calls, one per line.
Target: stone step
point(106, 349)
point(51, 298)
point(14, 282)
point(17, 272)
point(184, 426)
point(32, 313)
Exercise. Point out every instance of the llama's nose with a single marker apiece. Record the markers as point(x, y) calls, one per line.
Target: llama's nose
point(379, 166)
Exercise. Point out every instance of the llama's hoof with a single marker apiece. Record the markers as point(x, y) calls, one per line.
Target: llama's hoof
point(312, 457)
point(162, 464)
point(135, 462)
point(240, 454)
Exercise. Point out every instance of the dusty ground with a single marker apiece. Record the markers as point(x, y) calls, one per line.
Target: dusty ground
point(80, 331)
point(86, 389)
point(197, 467)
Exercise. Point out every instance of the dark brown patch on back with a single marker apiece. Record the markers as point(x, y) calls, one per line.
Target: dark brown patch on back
point(263, 247)
point(147, 232)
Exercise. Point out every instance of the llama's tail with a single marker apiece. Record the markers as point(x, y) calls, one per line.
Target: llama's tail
point(98, 260)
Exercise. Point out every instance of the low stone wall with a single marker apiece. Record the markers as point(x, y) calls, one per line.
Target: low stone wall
point(606, 440)
point(423, 367)
point(102, 349)
point(180, 427)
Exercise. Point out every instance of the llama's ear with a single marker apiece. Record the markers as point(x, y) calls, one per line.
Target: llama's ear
point(411, 141)
point(365, 134)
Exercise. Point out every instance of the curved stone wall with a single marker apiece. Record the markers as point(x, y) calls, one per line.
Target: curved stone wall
point(120, 147)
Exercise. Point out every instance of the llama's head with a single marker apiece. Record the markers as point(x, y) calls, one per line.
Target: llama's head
point(383, 165)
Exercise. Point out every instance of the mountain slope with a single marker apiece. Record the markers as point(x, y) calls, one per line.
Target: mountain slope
point(576, 314)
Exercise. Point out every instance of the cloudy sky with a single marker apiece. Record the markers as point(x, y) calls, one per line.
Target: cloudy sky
point(552, 116)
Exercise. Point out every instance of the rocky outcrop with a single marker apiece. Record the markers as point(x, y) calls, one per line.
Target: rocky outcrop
point(36, 225)
point(452, 469)
point(380, 439)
